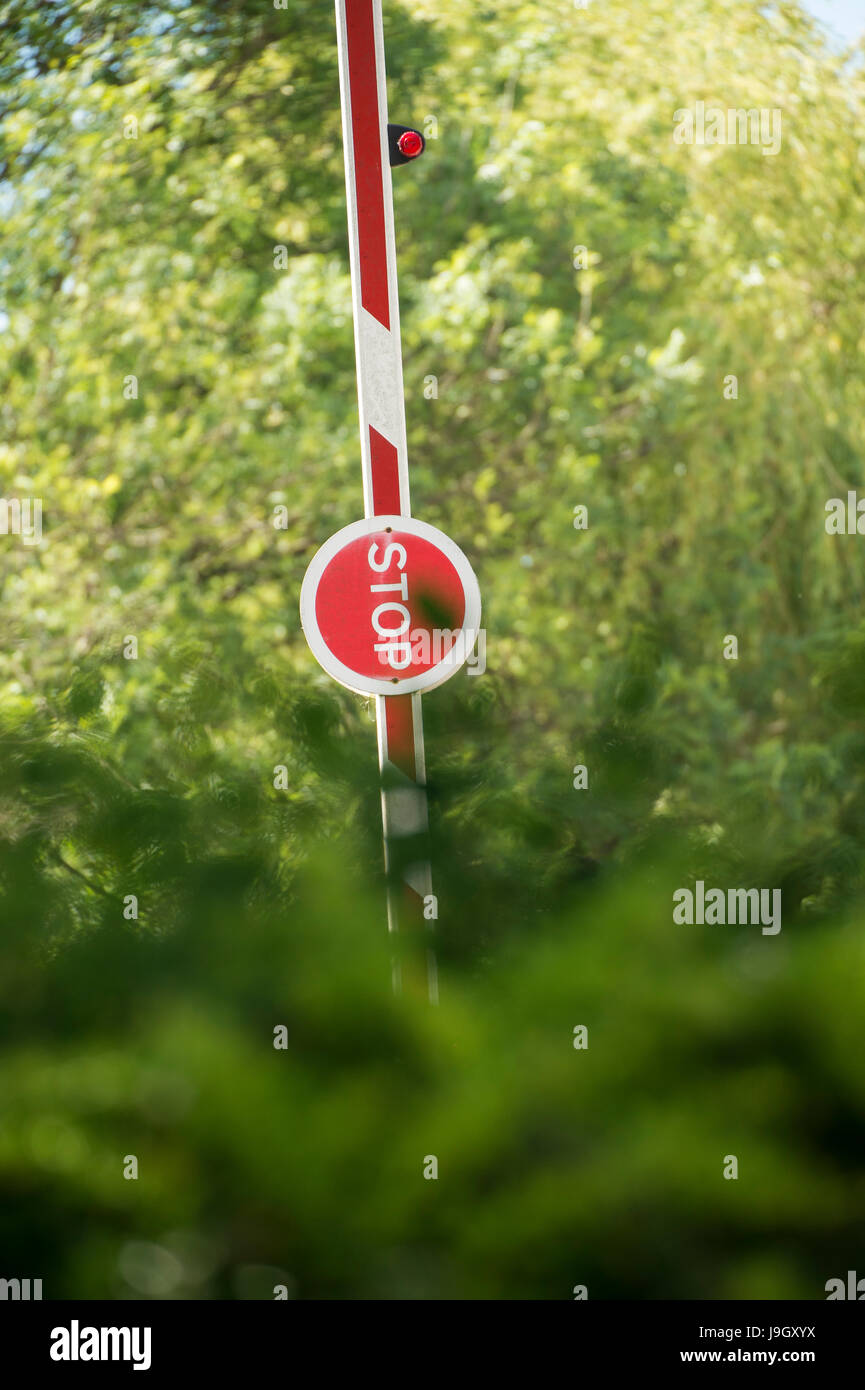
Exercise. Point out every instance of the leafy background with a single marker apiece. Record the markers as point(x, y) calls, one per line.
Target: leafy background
point(259, 907)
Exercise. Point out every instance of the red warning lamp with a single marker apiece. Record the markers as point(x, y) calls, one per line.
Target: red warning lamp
point(404, 144)
point(410, 144)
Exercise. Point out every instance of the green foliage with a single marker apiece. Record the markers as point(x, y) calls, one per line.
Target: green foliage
point(152, 159)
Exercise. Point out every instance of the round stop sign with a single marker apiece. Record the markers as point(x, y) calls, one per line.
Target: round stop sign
point(390, 605)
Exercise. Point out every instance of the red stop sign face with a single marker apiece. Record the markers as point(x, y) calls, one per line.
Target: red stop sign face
point(390, 605)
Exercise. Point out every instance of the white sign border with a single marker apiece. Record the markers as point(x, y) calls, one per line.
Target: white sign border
point(424, 680)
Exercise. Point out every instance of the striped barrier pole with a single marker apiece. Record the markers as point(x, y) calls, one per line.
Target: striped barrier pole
point(369, 148)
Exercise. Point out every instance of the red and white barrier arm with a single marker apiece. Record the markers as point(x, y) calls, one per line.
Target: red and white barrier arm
point(384, 455)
